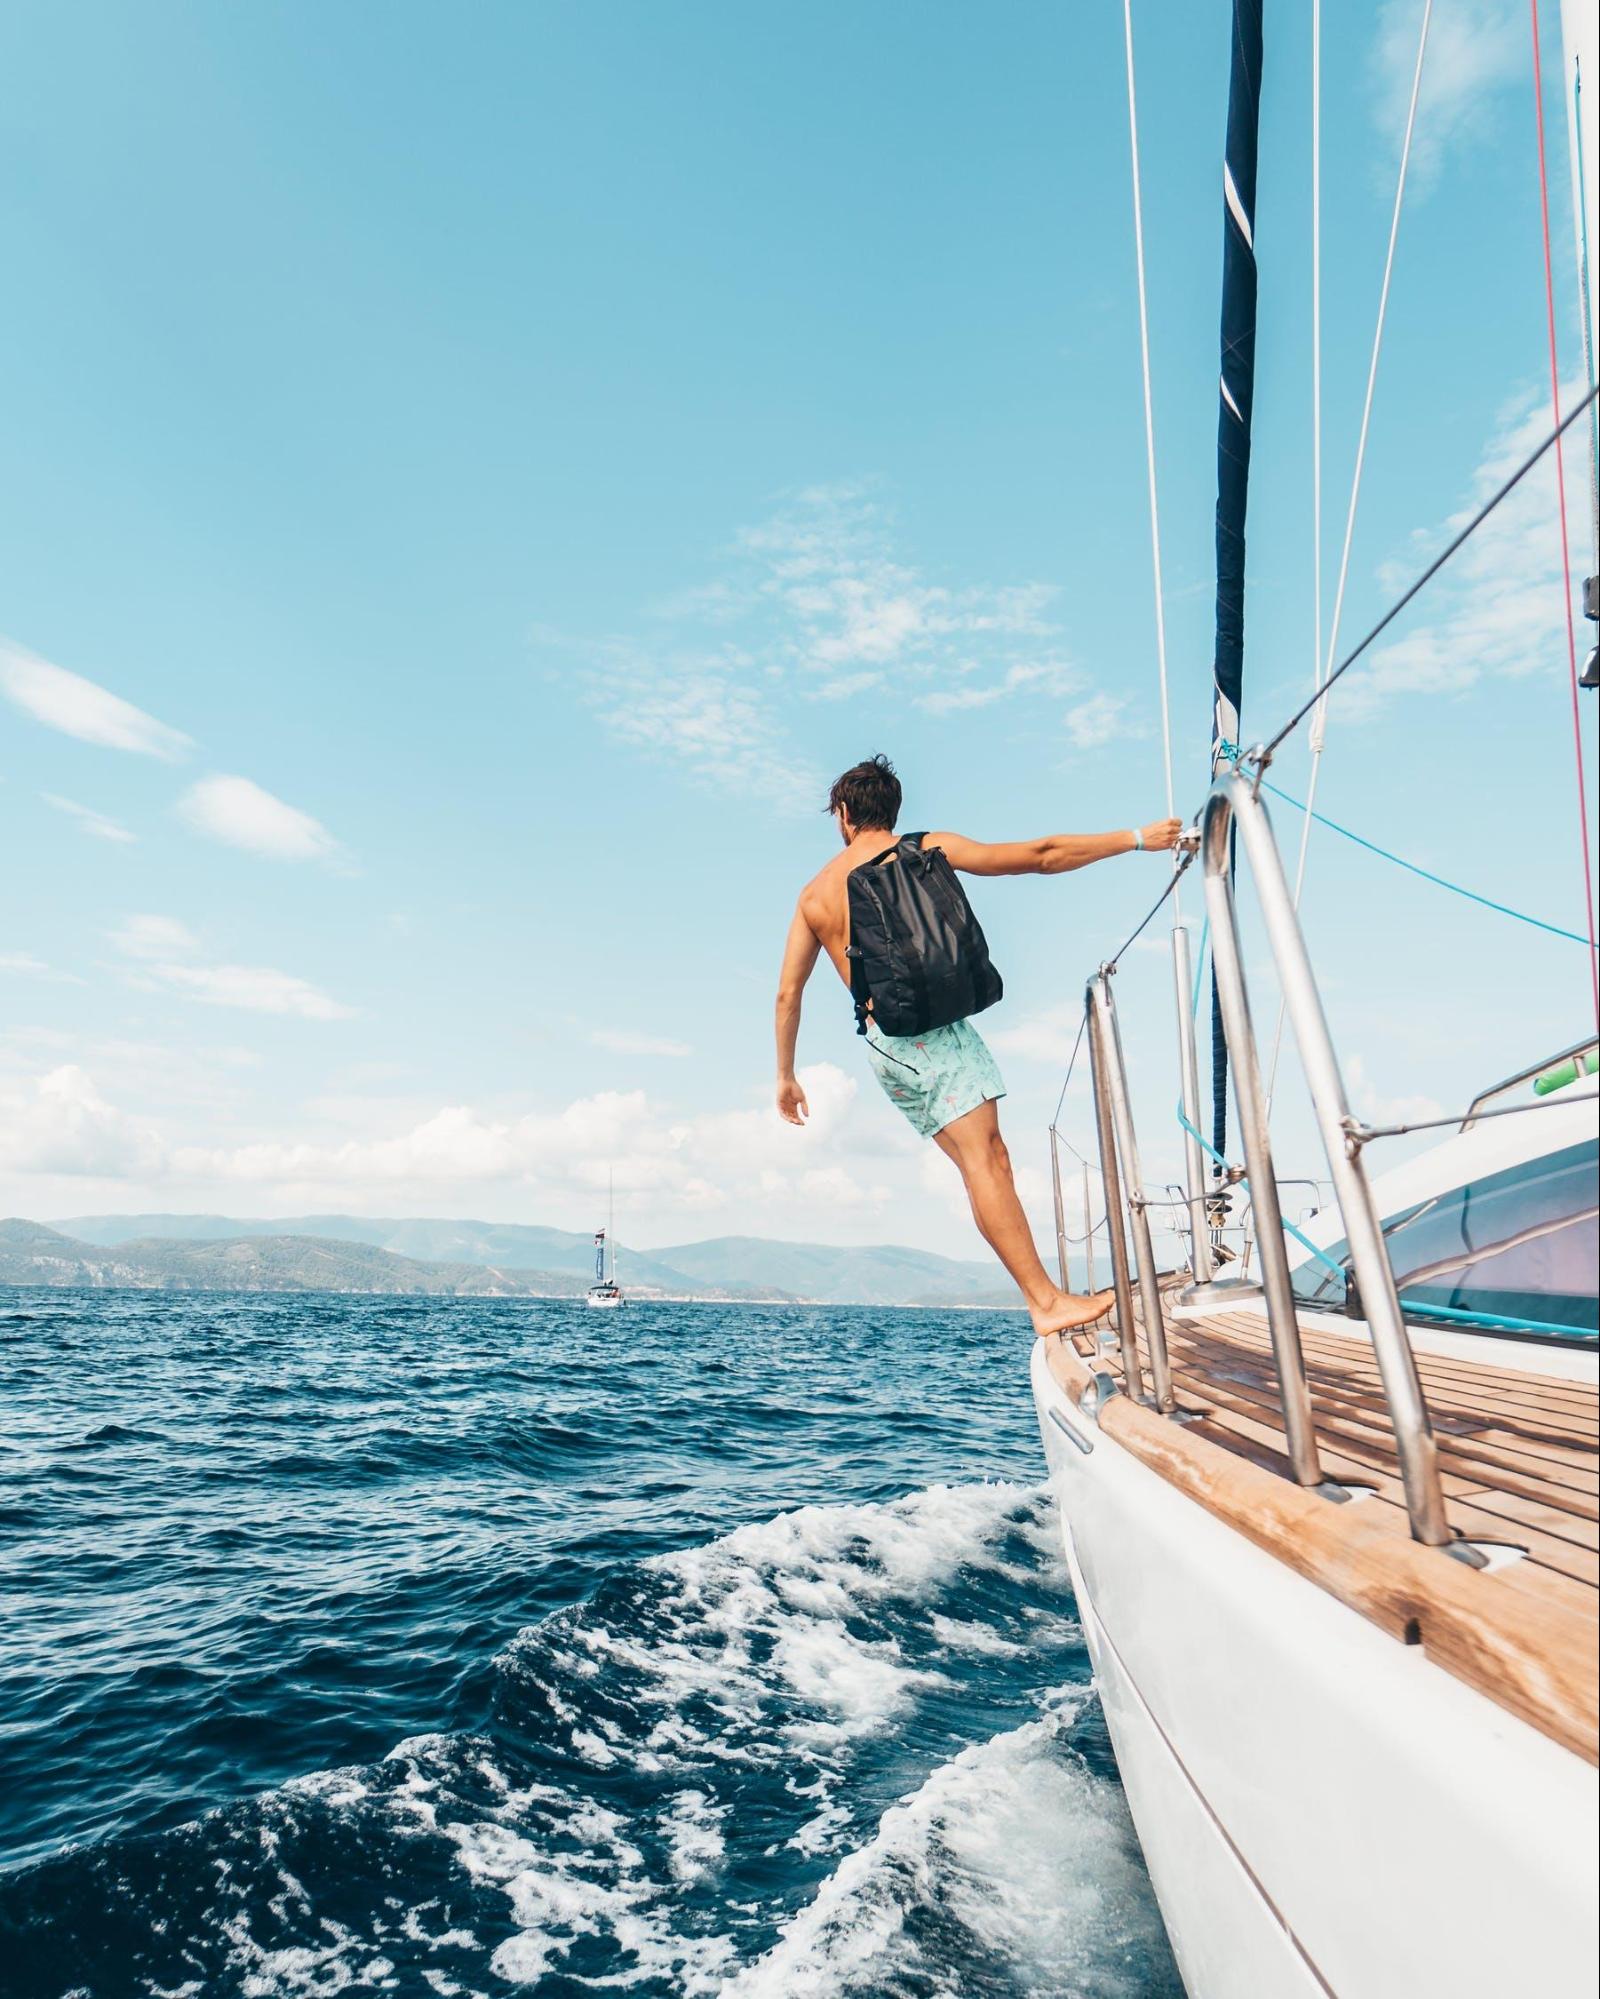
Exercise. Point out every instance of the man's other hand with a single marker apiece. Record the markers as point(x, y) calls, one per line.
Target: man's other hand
point(792, 1105)
point(1161, 835)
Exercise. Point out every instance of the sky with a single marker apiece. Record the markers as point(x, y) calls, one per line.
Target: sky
point(474, 476)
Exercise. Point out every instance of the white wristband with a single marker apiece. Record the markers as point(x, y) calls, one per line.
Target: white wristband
point(1138, 839)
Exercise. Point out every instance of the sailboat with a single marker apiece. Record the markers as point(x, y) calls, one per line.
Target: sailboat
point(605, 1294)
point(1332, 1532)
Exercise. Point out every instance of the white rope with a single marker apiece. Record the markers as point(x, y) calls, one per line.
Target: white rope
point(1149, 414)
point(1324, 665)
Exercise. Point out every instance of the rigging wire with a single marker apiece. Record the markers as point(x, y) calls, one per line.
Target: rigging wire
point(1149, 408)
point(1319, 720)
point(1561, 502)
point(1261, 756)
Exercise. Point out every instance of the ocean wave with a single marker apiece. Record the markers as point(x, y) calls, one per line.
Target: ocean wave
point(735, 1770)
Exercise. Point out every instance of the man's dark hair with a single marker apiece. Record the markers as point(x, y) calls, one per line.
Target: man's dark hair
point(869, 793)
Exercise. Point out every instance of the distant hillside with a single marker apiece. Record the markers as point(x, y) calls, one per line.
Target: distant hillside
point(553, 1261)
point(32, 1255)
point(512, 1244)
point(833, 1276)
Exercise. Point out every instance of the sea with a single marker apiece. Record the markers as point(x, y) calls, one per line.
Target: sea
point(464, 1646)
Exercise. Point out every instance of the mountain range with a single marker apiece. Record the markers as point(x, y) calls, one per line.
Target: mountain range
point(466, 1258)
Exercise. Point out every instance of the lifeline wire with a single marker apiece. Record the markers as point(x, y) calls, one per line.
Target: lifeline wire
point(1557, 1103)
point(1072, 1063)
point(1267, 750)
point(1155, 909)
point(1561, 503)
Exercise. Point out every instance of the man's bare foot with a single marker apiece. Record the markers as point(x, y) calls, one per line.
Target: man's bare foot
point(1070, 1311)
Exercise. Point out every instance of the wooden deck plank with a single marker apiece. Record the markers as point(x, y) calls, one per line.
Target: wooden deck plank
point(1523, 1635)
point(1370, 1438)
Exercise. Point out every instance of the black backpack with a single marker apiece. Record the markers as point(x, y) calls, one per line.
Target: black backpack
point(916, 951)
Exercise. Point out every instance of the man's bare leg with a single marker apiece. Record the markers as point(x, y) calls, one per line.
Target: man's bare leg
point(980, 1155)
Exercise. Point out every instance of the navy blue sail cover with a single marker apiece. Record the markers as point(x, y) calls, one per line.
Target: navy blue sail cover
point(1237, 400)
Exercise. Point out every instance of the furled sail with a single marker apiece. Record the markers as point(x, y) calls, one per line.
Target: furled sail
point(1237, 398)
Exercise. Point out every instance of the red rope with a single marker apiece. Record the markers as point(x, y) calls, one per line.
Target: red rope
point(1561, 500)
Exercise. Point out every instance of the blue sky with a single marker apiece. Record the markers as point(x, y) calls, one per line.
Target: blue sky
point(485, 471)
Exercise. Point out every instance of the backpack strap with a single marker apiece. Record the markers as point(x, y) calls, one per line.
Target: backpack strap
point(858, 985)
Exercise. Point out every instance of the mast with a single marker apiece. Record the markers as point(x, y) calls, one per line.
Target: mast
point(1237, 400)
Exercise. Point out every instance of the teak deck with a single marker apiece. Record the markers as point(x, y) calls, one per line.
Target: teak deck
point(1520, 1461)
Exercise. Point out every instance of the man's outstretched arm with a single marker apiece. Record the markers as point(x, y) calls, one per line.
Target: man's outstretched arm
point(799, 959)
point(1055, 853)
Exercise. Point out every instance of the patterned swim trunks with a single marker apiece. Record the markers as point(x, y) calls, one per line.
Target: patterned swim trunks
point(935, 1077)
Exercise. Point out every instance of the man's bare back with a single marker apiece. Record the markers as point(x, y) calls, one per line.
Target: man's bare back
point(945, 1082)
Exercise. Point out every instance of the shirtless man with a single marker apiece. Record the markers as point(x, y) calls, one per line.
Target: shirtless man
point(946, 1081)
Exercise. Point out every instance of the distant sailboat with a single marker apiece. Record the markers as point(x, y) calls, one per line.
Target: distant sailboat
point(605, 1294)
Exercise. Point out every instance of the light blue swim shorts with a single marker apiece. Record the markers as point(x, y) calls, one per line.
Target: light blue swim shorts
point(935, 1077)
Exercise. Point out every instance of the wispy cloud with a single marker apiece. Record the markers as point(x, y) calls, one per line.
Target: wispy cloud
point(817, 603)
point(1475, 47)
point(95, 824)
point(1503, 594)
point(240, 813)
point(168, 955)
point(622, 1041)
point(24, 965)
point(81, 708)
point(1099, 720)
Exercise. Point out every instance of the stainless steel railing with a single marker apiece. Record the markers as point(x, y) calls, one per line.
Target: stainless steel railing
point(1233, 804)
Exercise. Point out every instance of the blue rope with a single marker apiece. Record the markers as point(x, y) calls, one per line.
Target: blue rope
point(1217, 1159)
point(1233, 753)
point(1200, 968)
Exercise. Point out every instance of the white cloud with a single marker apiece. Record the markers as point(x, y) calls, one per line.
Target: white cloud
point(1475, 47)
point(1047, 1036)
point(1380, 1107)
point(1504, 612)
point(96, 824)
point(59, 1123)
point(78, 707)
point(170, 955)
point(622, 1041)
point(703, 1161)
point(241, 813)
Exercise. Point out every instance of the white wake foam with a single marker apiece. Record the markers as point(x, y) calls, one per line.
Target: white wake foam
point(1011, 1855)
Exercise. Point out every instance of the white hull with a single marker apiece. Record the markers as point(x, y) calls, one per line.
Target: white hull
point(603, 1298)
point(1323, 1810)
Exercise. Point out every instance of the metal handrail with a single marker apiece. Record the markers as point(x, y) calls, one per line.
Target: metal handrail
point(1574, 1053)
point(1235, 803)
point(1111, 1086)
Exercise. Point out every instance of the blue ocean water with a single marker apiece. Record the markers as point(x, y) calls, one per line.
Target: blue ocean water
point(465, 1646)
